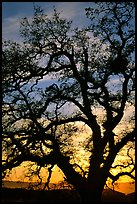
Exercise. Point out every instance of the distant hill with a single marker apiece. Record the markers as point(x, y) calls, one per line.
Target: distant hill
point(130, 197)
point(26, 185)
point(14, 184)
point(125, 188)
point(113, 196)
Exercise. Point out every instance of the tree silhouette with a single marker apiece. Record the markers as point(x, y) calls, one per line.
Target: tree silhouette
point(81, 71)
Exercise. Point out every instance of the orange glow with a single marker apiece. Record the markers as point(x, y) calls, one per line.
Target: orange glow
point(18, 174)
point(125, 187)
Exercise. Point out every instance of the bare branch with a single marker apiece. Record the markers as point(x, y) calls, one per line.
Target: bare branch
point(116, 177)
point(129, 137)
point(49, 177)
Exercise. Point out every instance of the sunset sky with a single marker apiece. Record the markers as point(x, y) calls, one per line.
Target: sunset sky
point(12, 12)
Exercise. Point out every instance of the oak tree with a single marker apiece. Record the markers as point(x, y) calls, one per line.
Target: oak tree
point(59, 82)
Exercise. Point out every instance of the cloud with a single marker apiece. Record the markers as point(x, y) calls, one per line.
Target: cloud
point(129, 112)
point(69, 9)
point(10, 28)
point(74, 11)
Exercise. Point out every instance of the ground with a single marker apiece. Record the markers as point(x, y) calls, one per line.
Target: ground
point(62, 195)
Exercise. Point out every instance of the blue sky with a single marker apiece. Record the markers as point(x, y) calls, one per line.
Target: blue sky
point(12, 12)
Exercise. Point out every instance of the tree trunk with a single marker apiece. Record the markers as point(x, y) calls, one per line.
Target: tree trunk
point(92, 194)
point(89, 192)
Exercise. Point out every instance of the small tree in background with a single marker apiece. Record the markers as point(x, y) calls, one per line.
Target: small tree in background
point(88, 73)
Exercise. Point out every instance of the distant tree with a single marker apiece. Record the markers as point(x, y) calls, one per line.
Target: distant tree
point(91, 73)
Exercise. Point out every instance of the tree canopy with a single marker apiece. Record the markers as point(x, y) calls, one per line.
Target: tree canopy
point(59, 82)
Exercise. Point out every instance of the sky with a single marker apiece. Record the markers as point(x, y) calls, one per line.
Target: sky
point(12, 12)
